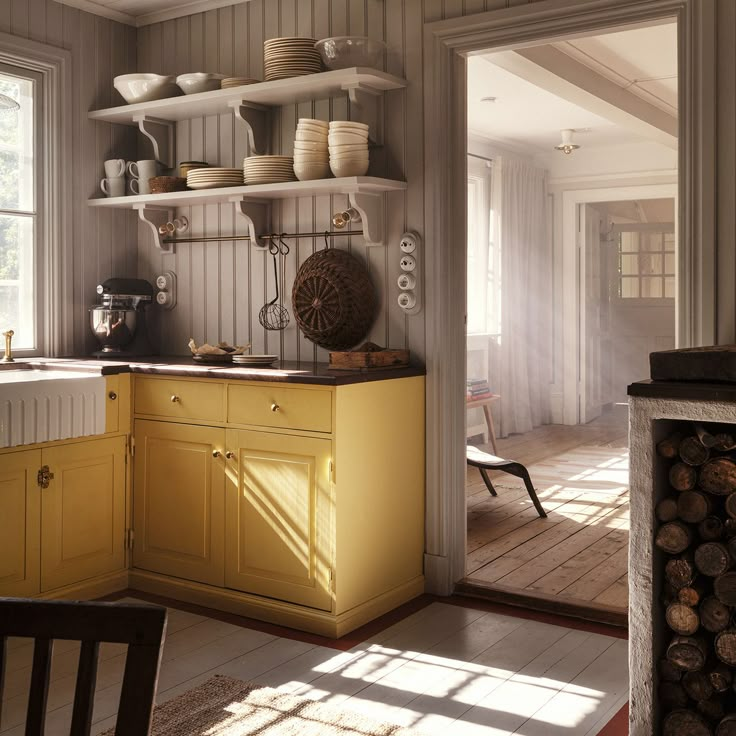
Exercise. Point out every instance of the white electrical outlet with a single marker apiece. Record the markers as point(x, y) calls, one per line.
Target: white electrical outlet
point(407, 300)
point(407, 281)
point(408, 242)
point(166, 284)
point(408, 263)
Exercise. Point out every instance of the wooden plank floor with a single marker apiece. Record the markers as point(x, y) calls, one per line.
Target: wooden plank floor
point(445, 669)
point(580, 552)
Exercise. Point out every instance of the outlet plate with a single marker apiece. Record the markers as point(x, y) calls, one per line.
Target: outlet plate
point(410, 279)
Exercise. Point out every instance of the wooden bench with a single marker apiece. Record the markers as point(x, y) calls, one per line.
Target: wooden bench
point(485, 462)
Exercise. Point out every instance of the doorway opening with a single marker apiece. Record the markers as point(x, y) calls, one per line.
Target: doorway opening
point(571, 283)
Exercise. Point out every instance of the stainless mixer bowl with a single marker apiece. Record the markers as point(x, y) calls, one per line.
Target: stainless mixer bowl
point(114, 328)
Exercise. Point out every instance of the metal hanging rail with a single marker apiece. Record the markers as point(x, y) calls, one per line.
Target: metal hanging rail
point(270, 236)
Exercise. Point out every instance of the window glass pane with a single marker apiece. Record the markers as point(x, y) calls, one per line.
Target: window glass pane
point(669, 287)
point(669, 263)
point(630, 242)
point(651, 264)
point(629, 287)
point(651, 287)
point(630, 265)
point(17, 279)
point(16, 145)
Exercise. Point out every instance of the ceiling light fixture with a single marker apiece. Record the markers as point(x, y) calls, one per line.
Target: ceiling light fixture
point(566, 145)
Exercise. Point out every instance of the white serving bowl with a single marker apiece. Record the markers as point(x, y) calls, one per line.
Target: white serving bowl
point(349, 148)
point(348, 126)
point(313, 122)
point(311, 158)
point(321, 132)
point(310, 146)
point(309, 172)
point(346, 139)
point(349, 167)
point(146, 87)
point(191, 84)
point(342, 52)
point(308, 135)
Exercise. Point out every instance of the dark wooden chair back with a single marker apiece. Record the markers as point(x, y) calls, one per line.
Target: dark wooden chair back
point(141, 627)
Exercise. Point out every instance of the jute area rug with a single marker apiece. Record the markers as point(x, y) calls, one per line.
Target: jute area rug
point(223, 706)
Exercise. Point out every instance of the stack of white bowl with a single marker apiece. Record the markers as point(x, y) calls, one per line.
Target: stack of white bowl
point(348, 146)
point(311, 156)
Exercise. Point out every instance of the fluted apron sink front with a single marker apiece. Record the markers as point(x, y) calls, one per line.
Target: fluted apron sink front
point(44, 405)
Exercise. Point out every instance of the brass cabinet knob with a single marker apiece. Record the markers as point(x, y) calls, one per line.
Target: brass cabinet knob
point(275, 407)
point(229, 455)
point(112, 396)
point(216, 453)
point(175, 399)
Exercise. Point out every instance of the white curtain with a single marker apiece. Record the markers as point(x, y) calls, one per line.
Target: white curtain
point(520, 190)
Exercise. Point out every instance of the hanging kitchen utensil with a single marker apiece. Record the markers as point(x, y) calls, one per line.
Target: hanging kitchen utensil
point(333, 299)
point(274, 316)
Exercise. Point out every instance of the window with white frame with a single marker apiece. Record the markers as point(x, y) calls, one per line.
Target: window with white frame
point(484, 254)
point(19, 227)
point(646, 264)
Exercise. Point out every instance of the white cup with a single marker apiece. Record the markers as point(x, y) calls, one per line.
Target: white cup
point(140, 186)
point(113, 186)
point(114, 167)
point(143, 169)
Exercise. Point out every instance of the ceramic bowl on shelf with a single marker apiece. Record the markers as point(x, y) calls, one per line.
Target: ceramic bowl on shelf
point(146, 87)
point(191, 84)
point(343, 52)
point(348, 126)
point(311, 157)
point(308, 171)
point(349, 167)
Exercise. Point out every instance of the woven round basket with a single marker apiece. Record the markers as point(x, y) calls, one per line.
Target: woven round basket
point(333, 299)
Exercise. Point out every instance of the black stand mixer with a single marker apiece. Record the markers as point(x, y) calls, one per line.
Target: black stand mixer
point(119, 320)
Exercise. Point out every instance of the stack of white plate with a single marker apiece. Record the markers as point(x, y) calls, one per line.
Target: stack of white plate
point(237, 82)
point(311, 157)
point(268, 169)
point(290, 57)
point(214, 177)
point(348, 144)
point(255, 361)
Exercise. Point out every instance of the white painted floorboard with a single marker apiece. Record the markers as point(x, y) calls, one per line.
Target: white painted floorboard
point(443, 670)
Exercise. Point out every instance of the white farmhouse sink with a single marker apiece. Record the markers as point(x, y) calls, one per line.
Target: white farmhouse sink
point(44, 405)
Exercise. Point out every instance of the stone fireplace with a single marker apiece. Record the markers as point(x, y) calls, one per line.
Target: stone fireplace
point(682, 614)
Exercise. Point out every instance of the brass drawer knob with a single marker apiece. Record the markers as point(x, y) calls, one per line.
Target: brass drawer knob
point(275, 407)
point(216, 453)
point(229, 455)
point(112, 396)
point(175, 399)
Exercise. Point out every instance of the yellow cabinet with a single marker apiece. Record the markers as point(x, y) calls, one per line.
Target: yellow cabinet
point(178, 500)
point(279, 517)
point(19, 524)
point(83, 511)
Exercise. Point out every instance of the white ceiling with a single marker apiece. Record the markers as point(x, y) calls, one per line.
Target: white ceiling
point(526, 116)
point(145, 12)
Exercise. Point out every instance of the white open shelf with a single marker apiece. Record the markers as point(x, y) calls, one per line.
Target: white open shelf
point(365, 194)
point(270, 94)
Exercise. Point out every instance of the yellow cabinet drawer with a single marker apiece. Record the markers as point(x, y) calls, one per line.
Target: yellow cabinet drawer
point(179, 398)
point(278, 406)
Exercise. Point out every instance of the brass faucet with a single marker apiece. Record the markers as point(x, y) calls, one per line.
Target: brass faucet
point(8, 357)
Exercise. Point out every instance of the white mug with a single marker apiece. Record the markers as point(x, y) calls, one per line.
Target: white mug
point(114, 167)
point(143, 169)
point(113, 186)
point(140, 186)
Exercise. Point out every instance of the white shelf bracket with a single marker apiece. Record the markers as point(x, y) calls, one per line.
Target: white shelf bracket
point(161, 135)
point(154, 217)
point(372, 209)
point(256, 119)
point(366, 106)
point(257, 215)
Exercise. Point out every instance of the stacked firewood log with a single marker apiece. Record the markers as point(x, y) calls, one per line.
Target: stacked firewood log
point(697, 531)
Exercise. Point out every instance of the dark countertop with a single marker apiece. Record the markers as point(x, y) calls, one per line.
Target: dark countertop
point(283, 371)
point(684, 390)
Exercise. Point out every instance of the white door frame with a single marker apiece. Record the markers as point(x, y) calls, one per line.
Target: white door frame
point(446, 44)
point(573, 365)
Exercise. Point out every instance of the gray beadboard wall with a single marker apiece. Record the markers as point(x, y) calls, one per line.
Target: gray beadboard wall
point(103, 243)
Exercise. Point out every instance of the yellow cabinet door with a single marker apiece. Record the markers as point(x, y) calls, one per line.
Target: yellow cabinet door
point(83, 512)
point(20, 517)
point(178, 500)
point(278, 529)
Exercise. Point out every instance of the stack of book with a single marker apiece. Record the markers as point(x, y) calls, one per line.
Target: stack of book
point(477, 388)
